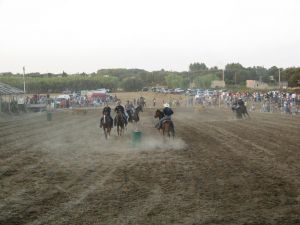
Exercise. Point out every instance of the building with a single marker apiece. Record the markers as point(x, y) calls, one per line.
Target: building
point(283, 84)
point(217, 84)
point(256, 84)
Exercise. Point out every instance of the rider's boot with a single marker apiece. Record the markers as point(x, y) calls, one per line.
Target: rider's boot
point(101, 122)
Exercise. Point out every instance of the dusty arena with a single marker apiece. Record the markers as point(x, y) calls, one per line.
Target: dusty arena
point(218, 170)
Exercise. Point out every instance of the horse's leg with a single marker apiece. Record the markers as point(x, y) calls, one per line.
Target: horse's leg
point(108, 130)
point(246, 111)
point(168, 130)
point(173, 131)
point(105, 132)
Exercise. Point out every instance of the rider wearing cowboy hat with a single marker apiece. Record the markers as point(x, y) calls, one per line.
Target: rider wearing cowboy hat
point(240, 102)
point(168, 113)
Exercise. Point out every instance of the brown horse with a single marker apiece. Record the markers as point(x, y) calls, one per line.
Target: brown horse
point(106, 123)
point(167, 126)
point(120, 123)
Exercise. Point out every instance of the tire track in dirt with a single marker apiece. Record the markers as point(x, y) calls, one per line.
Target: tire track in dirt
point(251, 163)
point(205, 183)
point(271, 136)
point(35, 134)
point(25, 168)
point(66, 207)
point(257, 152)
point(21, 130)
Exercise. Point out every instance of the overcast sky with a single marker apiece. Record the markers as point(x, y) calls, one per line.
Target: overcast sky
point(86, 35)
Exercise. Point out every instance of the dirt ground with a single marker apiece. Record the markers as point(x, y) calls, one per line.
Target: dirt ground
point(218, 170)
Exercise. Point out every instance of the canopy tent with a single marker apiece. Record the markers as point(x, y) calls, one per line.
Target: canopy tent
point(8, 103)
point(6, 89)
point(96, 94)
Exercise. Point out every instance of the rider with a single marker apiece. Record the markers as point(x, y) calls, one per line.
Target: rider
point(168, 113)
point(240, 102)
point(107, 110)
point(129, 109)
point(120, 108)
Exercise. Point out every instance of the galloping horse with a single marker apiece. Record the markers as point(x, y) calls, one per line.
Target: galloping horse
point(240, 110)
point(105, 123)
point(135, 117)
point(120, 123)
point(167, 126)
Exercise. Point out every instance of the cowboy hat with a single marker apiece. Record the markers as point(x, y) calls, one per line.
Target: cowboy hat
point(166, 105)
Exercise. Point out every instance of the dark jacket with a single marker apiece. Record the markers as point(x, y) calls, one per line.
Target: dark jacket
point(240, 102)
point(120, 108)
point(168, 111)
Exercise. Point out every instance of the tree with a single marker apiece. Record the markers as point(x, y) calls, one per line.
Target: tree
point(292, 75)
point(64, 74)
point(174, 81)
point(194, 67)
point(132, 84)
point(205, 81)
point(235, 73)
point(274, 73)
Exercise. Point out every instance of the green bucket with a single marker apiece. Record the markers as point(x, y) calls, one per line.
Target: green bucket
point(49, 116)
point(136, 138)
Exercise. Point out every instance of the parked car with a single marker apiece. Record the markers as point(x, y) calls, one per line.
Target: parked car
point(178, 91)
point(199, 93)
point(209, 92)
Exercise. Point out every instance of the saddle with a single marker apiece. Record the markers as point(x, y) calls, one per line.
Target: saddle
point(167, 120)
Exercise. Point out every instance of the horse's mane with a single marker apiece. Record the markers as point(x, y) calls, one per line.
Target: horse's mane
point(159, 112)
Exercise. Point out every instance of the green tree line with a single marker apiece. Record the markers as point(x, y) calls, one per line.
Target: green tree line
point(198, 75)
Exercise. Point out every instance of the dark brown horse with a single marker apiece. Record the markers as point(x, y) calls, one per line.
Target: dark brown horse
point(106, 123)
point(135, 116)
point(240, 110)
point(120, 123)
point(167, 126)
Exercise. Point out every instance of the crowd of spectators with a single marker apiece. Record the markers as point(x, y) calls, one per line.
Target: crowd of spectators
point(271, 101)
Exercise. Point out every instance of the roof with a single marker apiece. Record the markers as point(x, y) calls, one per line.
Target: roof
point(6, 89)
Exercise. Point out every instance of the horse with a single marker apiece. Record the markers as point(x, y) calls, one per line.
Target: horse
point(135, 116)
point(167, 126)
point(105, 123)
point(240, 110)
point(244, 111)
point(120, 123)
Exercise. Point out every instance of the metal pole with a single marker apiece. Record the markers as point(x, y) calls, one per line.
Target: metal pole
point(235, 78)
point(279, 79)
point(223, 74)
point(24, 79)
